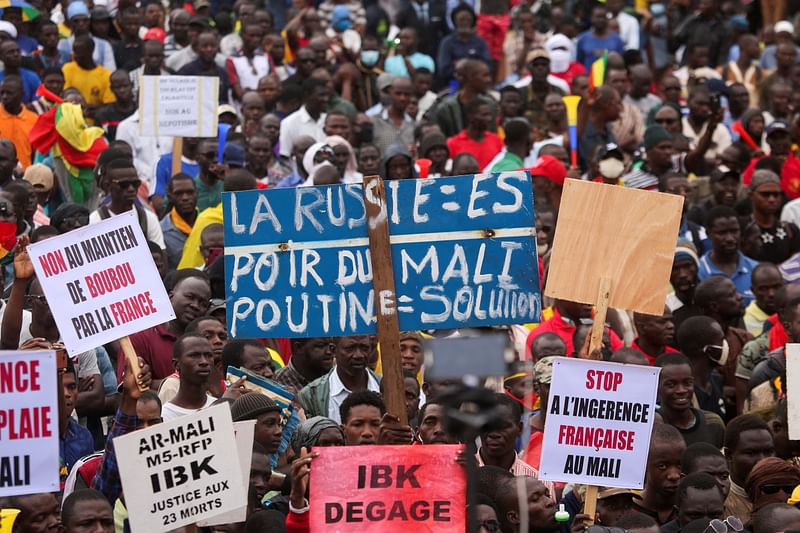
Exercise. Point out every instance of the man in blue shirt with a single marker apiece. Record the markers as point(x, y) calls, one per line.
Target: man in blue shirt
point(461, 44)
point(592, 44)
point(725, 259)
point(12, 59)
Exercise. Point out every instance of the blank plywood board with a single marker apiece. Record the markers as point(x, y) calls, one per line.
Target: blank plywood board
point(626, 235)
point(793, 384)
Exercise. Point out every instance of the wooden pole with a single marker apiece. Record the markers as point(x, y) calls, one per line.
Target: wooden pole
point(130, 354)
point(595, 343)
point(61, 367)
point(177, 153)
point(385, 297)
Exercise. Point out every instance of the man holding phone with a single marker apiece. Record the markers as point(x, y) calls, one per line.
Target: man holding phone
point(703, 126)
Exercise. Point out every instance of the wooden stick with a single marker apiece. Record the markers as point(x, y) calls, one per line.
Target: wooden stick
point(177, 153)
point(590, 502)
point(385, 297)
point(130, 354)
point(601, 310)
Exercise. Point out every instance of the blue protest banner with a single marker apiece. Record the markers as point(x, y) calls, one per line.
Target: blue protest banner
point(297, 261)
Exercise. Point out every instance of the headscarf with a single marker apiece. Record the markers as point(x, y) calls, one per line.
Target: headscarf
point(766, 471)
point(307, 434)
point(66, 211)
point(308, 158)
point(351, 173)
point(559, 59)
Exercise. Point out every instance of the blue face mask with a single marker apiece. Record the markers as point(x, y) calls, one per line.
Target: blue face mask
point(370, 57)
point(657, 9)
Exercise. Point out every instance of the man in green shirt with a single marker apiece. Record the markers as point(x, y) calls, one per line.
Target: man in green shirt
point(518, 145)
point(209, 181)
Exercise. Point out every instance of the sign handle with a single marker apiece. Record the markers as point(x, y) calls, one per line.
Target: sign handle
point(590, 502)
point(601, 310)
point(380, 250)
point(130, 355)
point(177, 153)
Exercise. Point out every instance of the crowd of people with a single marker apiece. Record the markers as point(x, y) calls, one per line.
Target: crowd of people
point(697, 98)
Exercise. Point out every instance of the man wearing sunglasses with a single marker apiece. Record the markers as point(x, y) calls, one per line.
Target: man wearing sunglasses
point(120, 181)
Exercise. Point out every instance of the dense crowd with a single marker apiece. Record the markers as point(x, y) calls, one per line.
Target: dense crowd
point(697, 98)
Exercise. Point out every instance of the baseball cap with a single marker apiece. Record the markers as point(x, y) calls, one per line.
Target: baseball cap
point(777, 125)
point(551, 168)
point(155, 34)
point(40, 176)
point(610, 492)
point(384, 81)
point(7, 27)
point(200, 4)
point(77, 9)
point(543, 370)
point(784, 26)
point(226, 108)
point(611, 150)
point(100, 13)
point(721, 172)
point(537, 53)
point(233, 155)
point(795, 498)
point(216, 304)
point(197, 20)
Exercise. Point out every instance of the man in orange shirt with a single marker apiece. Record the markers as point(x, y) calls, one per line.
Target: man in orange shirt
point(476, 139)
point(16, 121)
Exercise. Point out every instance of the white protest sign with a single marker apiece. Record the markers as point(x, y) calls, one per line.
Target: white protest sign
point(180, 472)
point(101, 282)
point(793, 383)
point(245, 434)
point(179, 106)
point(599, 419)
point(28, 423)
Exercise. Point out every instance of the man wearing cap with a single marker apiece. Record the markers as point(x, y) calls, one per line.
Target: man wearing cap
point(784, 33)
point(779, 240)
point(16, 121)
point(266, 413)
point(548, 174)
point(78, 22)
point(538, 85)
point(41, 179)
point(648, 174)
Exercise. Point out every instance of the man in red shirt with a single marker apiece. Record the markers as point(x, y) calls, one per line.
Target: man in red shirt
point(655, 334)
point(476, 139)
point(566, 317)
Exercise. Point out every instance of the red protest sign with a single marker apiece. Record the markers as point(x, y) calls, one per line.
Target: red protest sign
point(387, 489)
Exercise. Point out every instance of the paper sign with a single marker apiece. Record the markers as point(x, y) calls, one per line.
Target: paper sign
point(793, 383)
point(297, 261)
point(599, 420)
point(625, 235)
point(28, 423)
point(181, 472)
point(180, 106)
point(388, 489)
point(245, 434)
point(101, 282)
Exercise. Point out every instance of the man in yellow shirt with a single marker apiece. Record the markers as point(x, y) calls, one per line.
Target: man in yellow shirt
point(93, 81)
point(16, 121)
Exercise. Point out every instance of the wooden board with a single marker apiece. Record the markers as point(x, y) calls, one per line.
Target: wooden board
point(792, 383)
point(625, 235)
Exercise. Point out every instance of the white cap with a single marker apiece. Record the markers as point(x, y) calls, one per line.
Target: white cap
point(8, 28)
point(784, 26)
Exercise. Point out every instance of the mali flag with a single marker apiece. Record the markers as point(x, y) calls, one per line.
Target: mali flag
point(597, 75)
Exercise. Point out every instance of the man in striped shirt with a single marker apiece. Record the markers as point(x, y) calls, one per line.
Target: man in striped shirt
point(658, 160)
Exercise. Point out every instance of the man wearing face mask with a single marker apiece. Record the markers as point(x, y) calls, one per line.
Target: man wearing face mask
point(718, 299)
point(702, 340)
point(560, 48)
point(610, 165)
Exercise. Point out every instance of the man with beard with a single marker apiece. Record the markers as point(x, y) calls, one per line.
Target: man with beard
point(718, 299)
point(324, 395)
point(312, 358)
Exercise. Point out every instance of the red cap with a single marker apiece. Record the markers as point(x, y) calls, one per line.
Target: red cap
point(155, 33)
point(551, 168)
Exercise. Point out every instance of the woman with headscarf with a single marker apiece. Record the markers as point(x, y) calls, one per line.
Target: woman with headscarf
point(344, 159)
point(317, 431)
point(771, 480)
point(317, 156)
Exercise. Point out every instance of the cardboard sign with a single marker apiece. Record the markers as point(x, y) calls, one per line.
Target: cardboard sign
point(179, 106)
point(297, 261)
point(793, 383)
point(181, 472)
point(245, 434)
point(625, 235)
point(28, 423)
point(101, 282)
point(388, 489)
point(599, 419)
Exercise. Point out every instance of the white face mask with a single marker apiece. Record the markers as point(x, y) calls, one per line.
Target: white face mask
point(541, 248)
point(723, 355)
point(611, 168)
point(559, 61)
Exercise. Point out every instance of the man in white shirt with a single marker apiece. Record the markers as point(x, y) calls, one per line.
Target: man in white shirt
point(118, 179)
point(309, 119)
point(193, 357)
point(628, 24)
point(146, 150)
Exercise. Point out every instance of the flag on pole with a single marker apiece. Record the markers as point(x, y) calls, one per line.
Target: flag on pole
point(597, 75)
